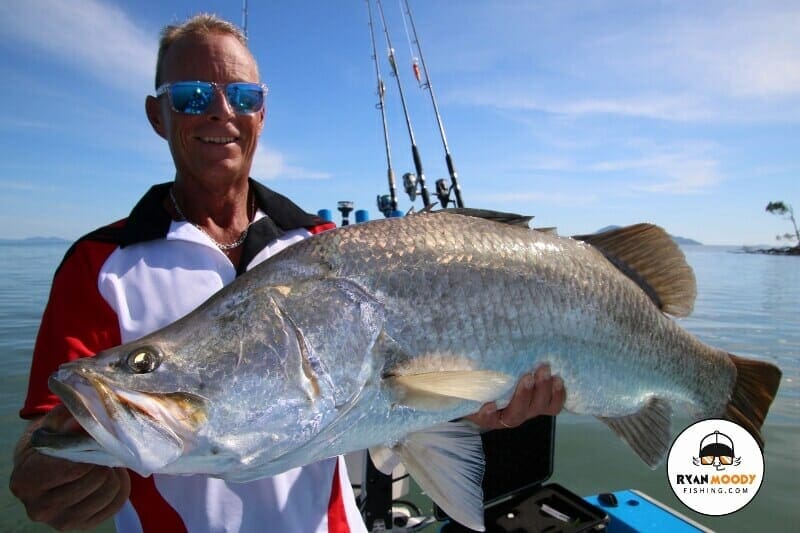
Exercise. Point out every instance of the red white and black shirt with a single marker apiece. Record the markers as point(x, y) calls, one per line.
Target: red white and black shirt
point(135, 276)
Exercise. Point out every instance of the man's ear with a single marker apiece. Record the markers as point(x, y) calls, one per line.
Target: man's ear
point(153, 109)
point(263, 118)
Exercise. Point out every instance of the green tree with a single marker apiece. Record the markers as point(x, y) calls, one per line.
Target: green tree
point(781, 208)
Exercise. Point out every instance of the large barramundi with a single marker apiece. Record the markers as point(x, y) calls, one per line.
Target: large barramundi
point(376, 335)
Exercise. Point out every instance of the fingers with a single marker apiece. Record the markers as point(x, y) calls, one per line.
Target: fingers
point(558, 397)
point(64, 494)
point(486, 417)
point(536, 394)
point(524, 398)
point(105, 501)
point(60, 420)
point(35, 474)
point(548, 396)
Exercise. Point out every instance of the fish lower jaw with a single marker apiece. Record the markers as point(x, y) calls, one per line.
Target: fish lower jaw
point(135, 439)
point(82, 454)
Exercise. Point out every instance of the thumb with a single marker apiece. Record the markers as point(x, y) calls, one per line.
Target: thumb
point(60, 420)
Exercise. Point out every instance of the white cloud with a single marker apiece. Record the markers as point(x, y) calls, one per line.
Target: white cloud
point(98, 38)
point(680, 108)
point(676, 174)
point(718, 61)
point(557, 199)
point(743, 50)
point(686, 168)
point(26, 186)
point(271, 165)
point(106, 43)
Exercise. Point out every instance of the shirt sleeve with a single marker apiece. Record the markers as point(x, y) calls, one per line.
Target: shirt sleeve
point(77, 322)
point(322, 226)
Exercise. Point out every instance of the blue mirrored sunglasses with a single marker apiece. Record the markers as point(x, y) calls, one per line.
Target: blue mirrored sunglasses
point(194, 97)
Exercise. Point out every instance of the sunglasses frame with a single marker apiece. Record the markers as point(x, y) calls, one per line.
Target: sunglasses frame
point(164, 88)
point(723, 459)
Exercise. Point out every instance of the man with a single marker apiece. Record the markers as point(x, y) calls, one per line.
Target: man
point(182, 242)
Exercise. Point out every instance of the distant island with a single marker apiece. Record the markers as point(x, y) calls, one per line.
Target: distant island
point(36, 240)
point(785, 250)
point(677, 239)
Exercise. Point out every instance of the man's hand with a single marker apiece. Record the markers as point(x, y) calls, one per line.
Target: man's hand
point(60, 493)
point(536, 394)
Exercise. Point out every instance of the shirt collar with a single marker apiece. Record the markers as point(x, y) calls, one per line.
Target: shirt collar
point(149, 220)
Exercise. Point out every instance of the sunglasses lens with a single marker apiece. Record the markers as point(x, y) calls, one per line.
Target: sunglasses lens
point(726, 460)
point(245, 97)
point(191, 98)
point(707, 460)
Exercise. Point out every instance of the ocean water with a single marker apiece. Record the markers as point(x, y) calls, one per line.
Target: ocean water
point(747, 304)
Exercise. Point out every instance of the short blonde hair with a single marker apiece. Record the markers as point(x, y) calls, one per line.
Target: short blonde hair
point(198, 25)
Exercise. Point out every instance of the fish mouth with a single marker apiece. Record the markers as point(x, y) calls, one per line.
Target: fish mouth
point(144, 431)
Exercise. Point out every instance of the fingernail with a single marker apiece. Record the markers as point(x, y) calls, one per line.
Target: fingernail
point(490, 409)
point(528, 382)
point(542, 374)
point(558, 383)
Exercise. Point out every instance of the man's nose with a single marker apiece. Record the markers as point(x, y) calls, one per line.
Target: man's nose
point(219, 108)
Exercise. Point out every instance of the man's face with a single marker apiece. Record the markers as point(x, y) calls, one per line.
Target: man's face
point(215, 148)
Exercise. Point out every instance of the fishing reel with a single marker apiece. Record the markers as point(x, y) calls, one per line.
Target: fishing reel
point(385, 205)
point(443, 193)
point(410, 185)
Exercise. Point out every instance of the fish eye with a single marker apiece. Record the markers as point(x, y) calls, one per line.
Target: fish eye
point(143, 360)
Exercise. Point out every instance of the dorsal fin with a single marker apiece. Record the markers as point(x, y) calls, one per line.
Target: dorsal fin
point(648, 255)
point(550, 230)
point(496, 216)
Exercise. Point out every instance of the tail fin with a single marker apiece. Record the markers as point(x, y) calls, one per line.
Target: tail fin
point(756, 385)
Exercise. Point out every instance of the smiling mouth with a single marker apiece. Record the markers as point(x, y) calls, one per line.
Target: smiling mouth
point(218, 140)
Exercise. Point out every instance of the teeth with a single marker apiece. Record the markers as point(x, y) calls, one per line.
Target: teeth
point(218, 140)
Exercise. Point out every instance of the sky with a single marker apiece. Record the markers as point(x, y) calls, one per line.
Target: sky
point(584, 114)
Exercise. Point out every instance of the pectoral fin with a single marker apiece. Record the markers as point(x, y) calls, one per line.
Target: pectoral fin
point(647, 432)
point(443, 388)
point(447, 462)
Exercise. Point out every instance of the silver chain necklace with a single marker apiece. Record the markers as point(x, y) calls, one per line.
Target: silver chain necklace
point(222, 246)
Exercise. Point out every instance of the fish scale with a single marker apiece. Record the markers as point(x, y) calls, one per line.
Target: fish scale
point(380, 334)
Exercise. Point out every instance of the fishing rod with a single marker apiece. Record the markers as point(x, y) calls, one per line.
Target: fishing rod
point(244, 18)
point(386, 209)
point(448, 158)
point(410, 184)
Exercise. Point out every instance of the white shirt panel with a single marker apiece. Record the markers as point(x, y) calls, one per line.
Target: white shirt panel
point(127, 520)
point(148, 291)
point(284, 241)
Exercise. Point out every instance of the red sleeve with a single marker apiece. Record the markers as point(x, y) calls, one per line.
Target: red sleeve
point(77, 322)
point(319, 228)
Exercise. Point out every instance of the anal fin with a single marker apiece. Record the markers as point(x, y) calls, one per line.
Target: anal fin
point(447, 462)
point(647, 432)
point(384, 459)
